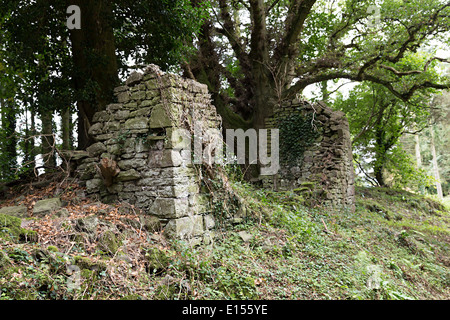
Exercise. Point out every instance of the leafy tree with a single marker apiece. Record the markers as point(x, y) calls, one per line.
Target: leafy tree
point(253, 54)
point(61, 66)
point(422, 141)
point(377, 120)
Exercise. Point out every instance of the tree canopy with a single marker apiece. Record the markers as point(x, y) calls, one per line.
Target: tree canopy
point(254, 54)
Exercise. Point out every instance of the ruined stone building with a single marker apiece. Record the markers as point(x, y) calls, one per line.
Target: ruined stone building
point(140, 158)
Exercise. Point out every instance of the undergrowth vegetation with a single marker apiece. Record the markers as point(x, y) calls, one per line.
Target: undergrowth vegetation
point(395, 245)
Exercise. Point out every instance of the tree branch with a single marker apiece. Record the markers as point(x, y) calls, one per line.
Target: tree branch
point(258, 44)
point(274, 3)
point(406, 73)
point(298, 11)
point(229, 31)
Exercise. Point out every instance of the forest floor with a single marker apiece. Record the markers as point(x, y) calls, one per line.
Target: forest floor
point(395, 245)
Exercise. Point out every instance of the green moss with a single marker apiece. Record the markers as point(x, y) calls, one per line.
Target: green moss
point(12, 224)
point(10, 228)
point(165, 292)
point(108, 242)
point(87, 274)
point(157, 260)
point(86, 263)
point(5, 262)
point(52, 249)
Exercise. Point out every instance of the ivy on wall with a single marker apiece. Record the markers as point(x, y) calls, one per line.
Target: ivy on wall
point(297, 134)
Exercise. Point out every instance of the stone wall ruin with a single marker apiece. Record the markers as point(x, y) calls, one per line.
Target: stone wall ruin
point(139, 158)
point(321, 144)
point(153, 170)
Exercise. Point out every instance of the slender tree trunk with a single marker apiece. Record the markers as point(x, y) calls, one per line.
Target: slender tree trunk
point(435, 165)
point(380, 156)
point(30, 151)
point(28, 146)
point(95, 60)
point(417, 147)
point(324, 90)
point(48, 141)
point(9, 143)
point(66, 128)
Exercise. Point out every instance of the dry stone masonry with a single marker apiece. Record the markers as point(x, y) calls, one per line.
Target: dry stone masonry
point(139, 157)
point(315, 152)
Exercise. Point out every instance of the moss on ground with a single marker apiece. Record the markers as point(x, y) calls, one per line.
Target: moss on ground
point(10, 229)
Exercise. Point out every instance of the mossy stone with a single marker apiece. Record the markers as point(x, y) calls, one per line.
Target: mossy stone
point(157, 260)
point(52, 249)
point(86, 263)
point(108, 242)
point(11, 228)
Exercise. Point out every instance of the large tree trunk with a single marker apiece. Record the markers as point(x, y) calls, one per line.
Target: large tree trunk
point(435, 165)
point(94, 57)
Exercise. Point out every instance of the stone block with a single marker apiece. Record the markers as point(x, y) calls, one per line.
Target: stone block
point(96, 129)
point(169, 208)
point(123, 97)
point(131, 106)
point(164, 158)
point(94, 185)
point(136, 123)
point(186, 227)
point(112, 126)
point(114, 107)
point(134, 78)
point(141, 112)
point(121, 114)
point(128, 175)
point(120, 89)
point(114, 149)
point(138, 95)
point(209, 221)
point(46, 206)
point(16, 211)
point(96, 149)
point(101, 116)
point(152, 84)
point(131, 164)
point(178, 138)
point(159, 118)
point(103, 137)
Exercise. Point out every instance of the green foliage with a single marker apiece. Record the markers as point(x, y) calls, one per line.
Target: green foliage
point(377, 120)
point(10, 229)
point(404, 172)
point(297, 133)
point(156, 32)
